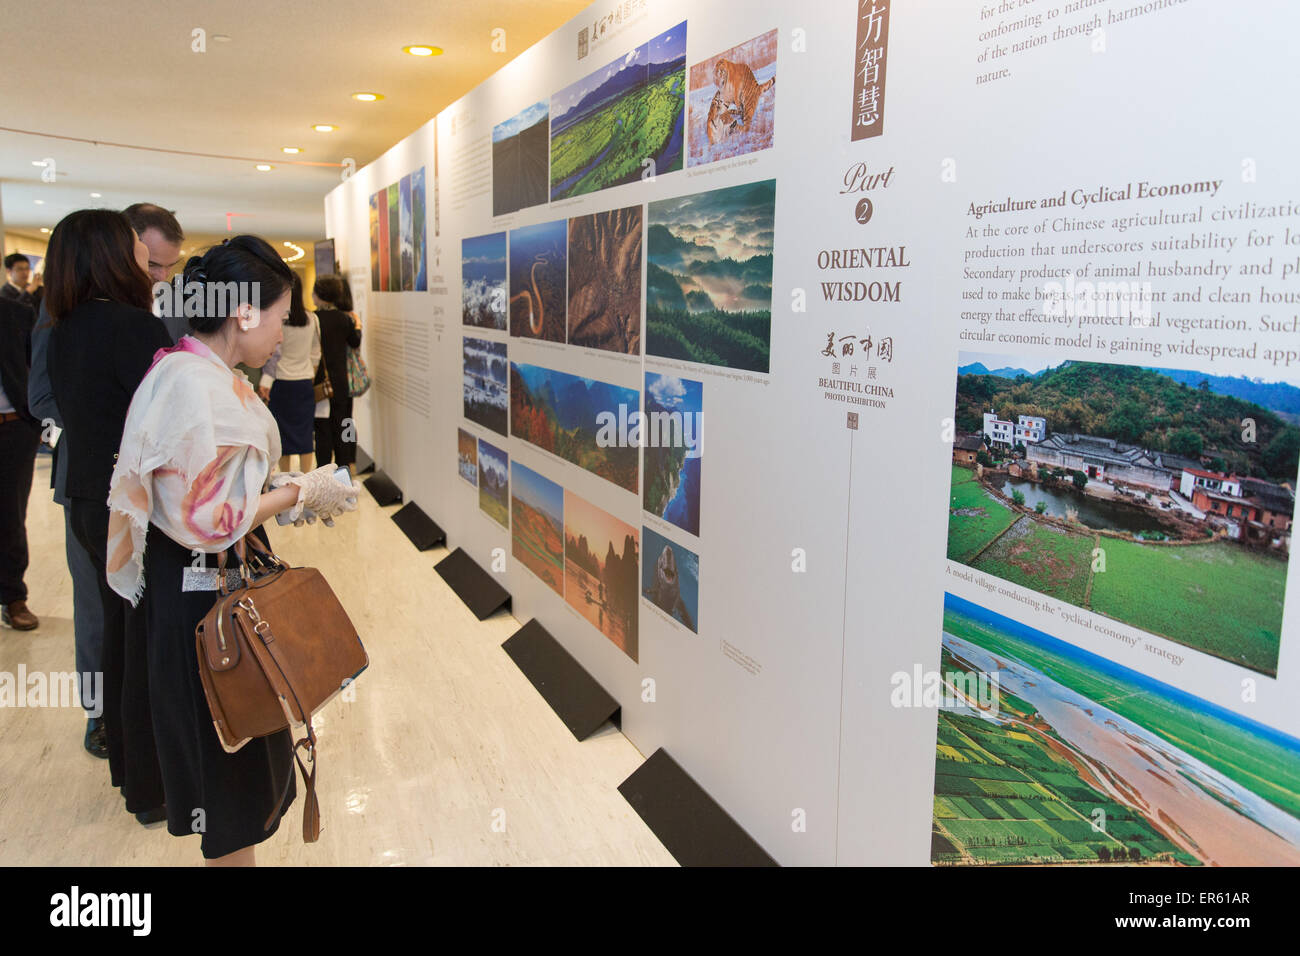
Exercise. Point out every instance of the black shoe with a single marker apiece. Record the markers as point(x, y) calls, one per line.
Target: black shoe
point(96, 742)
point(148, 817)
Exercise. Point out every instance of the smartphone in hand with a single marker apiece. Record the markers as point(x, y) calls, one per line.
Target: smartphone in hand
point(341, 475)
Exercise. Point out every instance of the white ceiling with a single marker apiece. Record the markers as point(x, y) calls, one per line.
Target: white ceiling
point(123, 71)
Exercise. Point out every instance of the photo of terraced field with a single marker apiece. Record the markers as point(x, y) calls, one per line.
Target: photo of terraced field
point(1082, 761)
point(622, 121)
point(537, 526)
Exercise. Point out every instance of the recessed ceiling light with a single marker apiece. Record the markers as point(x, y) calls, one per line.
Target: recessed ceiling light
point(39, 202)
point(221, 37)
point(324, 128)
point(264, 168)
point(291, 150)
point(423, 50)
point(39, 162)
point(45, 229)
point(96, 195)
point(367, 97)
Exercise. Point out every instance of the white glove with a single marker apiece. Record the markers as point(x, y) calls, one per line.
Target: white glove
point(321, 494)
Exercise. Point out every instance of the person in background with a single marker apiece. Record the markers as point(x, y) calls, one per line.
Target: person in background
point(335, 432)
point(286, 382)
point(196, 454)
point(18, 271)
point(20, 435)
point(101, 344)
point(162, 235)
point(37, 291)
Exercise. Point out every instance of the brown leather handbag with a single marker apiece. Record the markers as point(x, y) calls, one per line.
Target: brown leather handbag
point(272, 652)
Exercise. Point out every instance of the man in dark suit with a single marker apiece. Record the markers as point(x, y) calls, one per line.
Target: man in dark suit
point(20, 435)
point(18, 271)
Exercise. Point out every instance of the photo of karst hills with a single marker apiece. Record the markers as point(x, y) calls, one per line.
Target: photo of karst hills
point(1160, 498)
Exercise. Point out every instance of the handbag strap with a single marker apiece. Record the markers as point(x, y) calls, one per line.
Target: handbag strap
point(241, 552)
point(277, 672)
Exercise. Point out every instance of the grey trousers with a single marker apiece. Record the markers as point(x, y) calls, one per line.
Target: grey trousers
point(87, 612)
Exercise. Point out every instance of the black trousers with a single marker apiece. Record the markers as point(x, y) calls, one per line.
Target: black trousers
point(331, 434)
point(18, 443)
point(128, 719)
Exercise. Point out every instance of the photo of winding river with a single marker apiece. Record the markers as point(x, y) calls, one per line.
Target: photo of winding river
point(1081, 760)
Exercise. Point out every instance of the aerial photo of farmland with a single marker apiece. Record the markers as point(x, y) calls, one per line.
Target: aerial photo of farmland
point(622, 121)
point(1082, 761)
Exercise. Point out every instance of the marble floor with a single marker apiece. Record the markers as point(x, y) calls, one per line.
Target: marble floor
point(447, 755)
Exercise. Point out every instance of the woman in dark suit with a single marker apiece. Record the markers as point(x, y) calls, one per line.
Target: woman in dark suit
point(103, 341)
point(336, 434)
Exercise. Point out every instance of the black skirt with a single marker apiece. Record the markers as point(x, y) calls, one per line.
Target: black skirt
point(293, 405)
point(228, 798)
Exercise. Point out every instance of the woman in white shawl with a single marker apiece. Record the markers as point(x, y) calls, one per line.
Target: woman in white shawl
point(196, 454)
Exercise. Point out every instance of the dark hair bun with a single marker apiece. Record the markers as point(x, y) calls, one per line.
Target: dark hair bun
point(248, 267)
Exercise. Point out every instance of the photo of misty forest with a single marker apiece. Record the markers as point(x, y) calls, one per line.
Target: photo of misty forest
point(420, 231)
point(670, 578)
point(406, 251)
point(520, 154)
point(483, 281)
point(394, 238)
point(605, 281)
point(1159, 498)
point(601, 573)
point(672, 426)
point(467, 456)
point(1081, 761)
point(731, 107)
point(485, 383)
point(605, 126)
point(494, 483)
point(709, 276)
point(537, 277)
point(537, 525)
point(374, 243)
point(564, 414)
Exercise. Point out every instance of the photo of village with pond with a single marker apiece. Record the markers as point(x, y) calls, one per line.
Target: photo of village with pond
point(1159, 498)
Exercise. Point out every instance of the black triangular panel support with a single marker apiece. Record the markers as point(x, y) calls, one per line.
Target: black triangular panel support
point(575, 696)
point(422, 530)
point(480, 590)
point(688, 822)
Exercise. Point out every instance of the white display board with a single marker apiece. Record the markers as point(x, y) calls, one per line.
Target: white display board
point(827, 240)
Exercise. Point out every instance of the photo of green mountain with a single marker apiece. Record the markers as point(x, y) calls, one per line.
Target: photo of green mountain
point(709, 276)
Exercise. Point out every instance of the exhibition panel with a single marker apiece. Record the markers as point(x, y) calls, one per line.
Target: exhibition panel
point(1036, 260)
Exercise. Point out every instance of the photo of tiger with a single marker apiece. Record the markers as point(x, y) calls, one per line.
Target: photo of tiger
point(731, 105)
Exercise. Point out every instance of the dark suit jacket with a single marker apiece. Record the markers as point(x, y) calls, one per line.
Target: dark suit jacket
point(99, 352)
point(11, 294)
point(337, 333)
point(16, 322)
